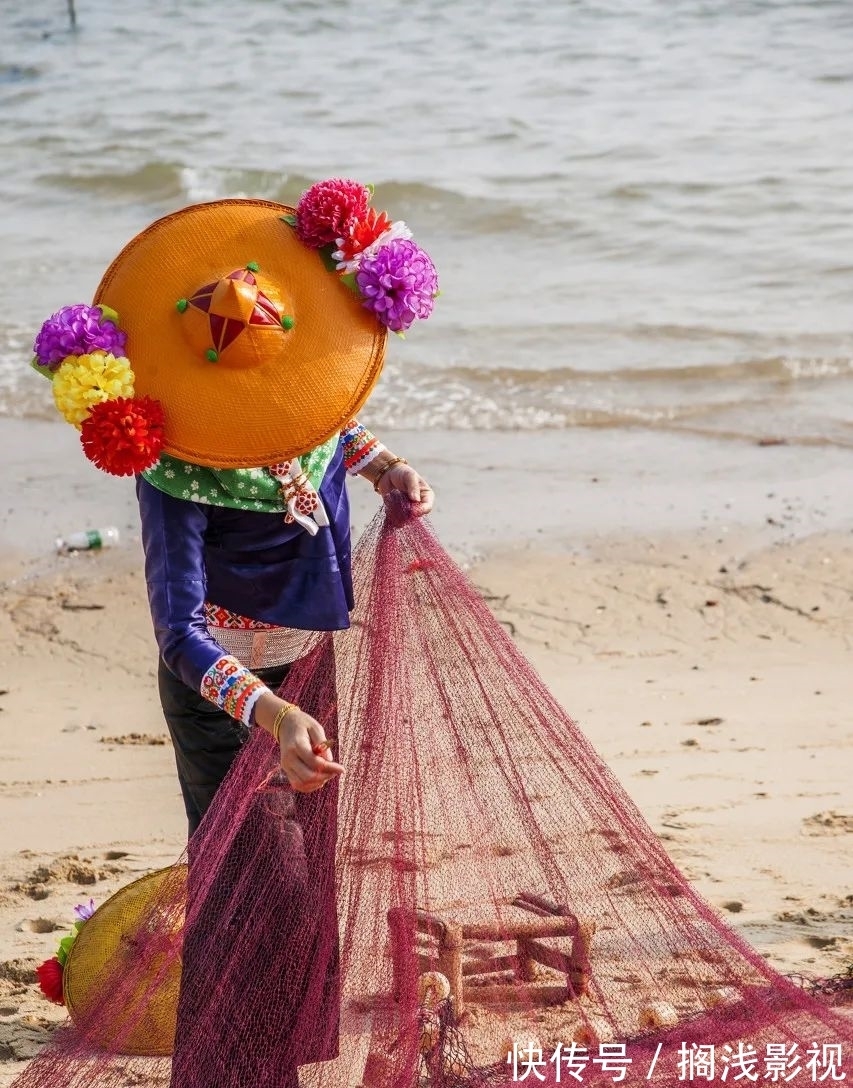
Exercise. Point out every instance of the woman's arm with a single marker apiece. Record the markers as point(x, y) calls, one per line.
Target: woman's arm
point(173, 541)
point(365, 455)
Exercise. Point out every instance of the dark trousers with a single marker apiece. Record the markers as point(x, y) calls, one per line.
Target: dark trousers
point(289, 840)
point(206, 739)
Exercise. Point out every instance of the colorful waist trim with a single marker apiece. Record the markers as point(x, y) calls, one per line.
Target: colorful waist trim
point(255, 644)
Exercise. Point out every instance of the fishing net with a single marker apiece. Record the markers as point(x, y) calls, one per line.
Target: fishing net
point(477, 902)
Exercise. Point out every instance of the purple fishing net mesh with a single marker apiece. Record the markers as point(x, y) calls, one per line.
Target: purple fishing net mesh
point(476, 903)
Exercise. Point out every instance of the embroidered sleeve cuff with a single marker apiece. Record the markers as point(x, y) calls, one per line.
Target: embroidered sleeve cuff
point(232, 687)
point(360, 447)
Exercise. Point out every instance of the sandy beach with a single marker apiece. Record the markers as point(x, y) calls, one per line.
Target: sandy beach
point(697, 624)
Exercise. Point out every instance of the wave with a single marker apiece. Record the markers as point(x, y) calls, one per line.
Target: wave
point(772, 369)
point(745, 396)
point(451, 411)
point(169, 181)
point(159, 180)
point(733, 420)
point(453, 407)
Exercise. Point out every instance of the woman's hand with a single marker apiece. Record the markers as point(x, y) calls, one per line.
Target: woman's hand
point(299, 735)
point(403, 478)
point(306, 770)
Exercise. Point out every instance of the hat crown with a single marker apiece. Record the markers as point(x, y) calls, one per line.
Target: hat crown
point(234, 299)
point(234, 321)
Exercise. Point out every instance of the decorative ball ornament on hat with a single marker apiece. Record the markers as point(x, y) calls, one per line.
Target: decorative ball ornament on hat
point(252, 364)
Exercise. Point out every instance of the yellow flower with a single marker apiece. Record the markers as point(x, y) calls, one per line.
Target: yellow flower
point(84, 380)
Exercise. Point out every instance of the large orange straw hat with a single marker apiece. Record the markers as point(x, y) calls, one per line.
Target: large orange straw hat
point(237, 333)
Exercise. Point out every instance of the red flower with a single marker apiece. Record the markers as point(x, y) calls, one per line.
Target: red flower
point(50, 980)
point(361, 233)
point(325, 211)
point(123, 436)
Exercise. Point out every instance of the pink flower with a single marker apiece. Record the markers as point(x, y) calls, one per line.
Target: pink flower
point(327, 210)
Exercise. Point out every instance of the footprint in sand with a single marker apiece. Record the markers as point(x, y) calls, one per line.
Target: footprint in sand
point(39, 925)
point(34, 891)
point(21, 1042)
point(828, 823)
point(19, 970)
point(822, 942)
point(154, 739)
point(68, 869)
point(800, 918)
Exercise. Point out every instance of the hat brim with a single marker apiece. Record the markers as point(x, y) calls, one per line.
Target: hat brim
point(290, 400)
point(102, 971)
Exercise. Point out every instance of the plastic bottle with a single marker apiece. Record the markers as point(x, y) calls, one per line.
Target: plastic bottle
point(88, 539)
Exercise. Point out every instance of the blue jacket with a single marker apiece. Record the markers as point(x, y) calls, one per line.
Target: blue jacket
point(254, 564)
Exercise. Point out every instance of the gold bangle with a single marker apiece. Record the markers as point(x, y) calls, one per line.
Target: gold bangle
point(384, 469)
point(279, 718)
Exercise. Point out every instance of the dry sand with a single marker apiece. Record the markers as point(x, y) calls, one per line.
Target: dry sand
point(695, 620)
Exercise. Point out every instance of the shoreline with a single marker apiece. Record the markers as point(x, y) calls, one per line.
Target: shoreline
point(560, 489)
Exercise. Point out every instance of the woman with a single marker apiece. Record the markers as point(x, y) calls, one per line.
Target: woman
point(256, 569)
point(228, 350)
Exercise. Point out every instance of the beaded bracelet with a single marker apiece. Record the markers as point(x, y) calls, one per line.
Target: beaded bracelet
point(384, 469)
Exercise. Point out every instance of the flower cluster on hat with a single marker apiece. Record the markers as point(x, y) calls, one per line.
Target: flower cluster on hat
point(374, 256)
point(81, 349)
point(50, 973)
point(82, 381)
point(77, 330)
point(364, 237)
point(120, 434)
point(398, 282)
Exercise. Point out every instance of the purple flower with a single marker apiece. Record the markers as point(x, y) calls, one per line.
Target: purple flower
point(77, 330)
point(398, 283)
point(83, 913)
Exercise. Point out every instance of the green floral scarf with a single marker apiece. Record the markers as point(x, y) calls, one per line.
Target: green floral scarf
point(238, 488)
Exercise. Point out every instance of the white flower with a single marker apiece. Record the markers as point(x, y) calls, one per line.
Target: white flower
point(188, 468)
point(253, 491)
point(170, 472)
point(398, 229)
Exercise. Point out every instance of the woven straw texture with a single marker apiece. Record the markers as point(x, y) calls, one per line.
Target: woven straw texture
point(103, 959)
point(275, 393)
